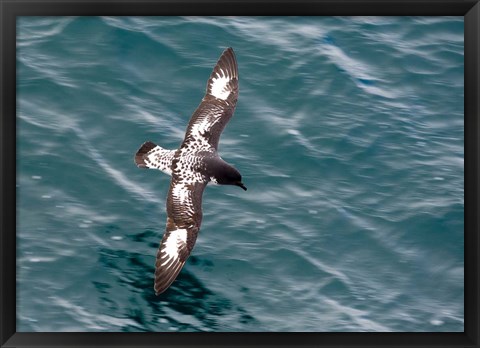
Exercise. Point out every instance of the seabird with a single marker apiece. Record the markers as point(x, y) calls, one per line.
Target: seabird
point(192, 166)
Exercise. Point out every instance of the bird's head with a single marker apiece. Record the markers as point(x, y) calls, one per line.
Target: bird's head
point(225, 174)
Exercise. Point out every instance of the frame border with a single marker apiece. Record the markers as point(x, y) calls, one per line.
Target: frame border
point(10, 9)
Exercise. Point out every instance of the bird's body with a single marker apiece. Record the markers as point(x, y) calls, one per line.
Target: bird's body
point(192, 166)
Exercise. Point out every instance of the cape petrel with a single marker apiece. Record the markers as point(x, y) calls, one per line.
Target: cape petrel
point(192, 166)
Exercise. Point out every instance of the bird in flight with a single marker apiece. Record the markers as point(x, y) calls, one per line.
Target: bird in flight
point(192, 166)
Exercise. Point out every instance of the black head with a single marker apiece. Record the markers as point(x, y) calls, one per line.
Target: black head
point(225, 174)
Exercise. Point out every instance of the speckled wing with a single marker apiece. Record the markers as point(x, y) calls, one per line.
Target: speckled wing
point(217, 106)
point(184, 216)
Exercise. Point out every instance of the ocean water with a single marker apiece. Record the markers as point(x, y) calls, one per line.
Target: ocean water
point(348, 133)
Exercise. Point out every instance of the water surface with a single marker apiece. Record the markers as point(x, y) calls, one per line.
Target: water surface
point(349, 136)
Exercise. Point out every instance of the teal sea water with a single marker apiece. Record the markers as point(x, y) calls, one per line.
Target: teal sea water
point(348, 133)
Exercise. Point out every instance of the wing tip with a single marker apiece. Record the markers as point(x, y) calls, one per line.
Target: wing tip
point(229, 60)
point(163, 280)
point(223, 81)
point(228, 50)
point(159, 291)
point(170, 258)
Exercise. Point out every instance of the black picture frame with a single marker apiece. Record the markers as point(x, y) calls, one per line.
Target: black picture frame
point(9, 10)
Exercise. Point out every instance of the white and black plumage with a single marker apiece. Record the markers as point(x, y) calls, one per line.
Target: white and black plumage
point(192, 166)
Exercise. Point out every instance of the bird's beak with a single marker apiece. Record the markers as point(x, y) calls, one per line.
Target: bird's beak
point(241, 185)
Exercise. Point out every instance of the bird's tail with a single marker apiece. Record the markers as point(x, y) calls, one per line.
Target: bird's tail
point(150, 155)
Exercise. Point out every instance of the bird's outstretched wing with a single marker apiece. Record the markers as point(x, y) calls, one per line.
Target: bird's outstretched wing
point(217, 106)
point(184, 216)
